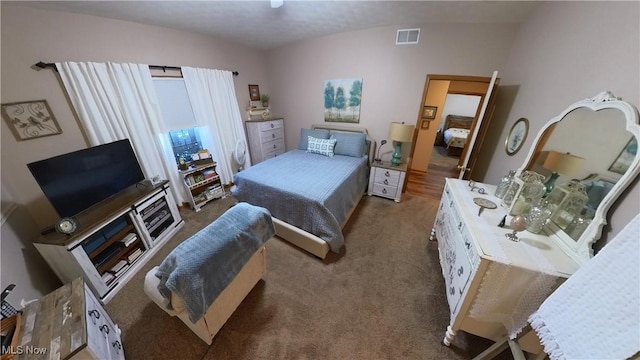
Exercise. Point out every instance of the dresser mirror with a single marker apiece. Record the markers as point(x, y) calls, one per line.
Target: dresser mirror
point(602, 132)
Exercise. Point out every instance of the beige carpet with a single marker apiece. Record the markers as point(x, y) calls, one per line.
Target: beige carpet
point(382, 297)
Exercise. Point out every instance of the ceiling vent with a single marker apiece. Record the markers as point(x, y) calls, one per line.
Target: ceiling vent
point(407, 36)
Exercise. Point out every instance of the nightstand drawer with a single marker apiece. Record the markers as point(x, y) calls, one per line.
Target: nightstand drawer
point(387, 177)
point(385, 190)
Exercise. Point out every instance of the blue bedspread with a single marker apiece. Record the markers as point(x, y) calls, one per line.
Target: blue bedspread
point(201, 267)
point(310, 191)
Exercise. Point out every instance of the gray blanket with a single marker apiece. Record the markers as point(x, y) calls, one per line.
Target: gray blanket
point(201, 267)
point(310, 191)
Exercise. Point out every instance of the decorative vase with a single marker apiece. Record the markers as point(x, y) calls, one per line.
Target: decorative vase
point(504, 184)
point(538, 216)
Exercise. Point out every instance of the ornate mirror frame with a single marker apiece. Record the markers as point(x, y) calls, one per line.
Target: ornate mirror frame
point(581, 249)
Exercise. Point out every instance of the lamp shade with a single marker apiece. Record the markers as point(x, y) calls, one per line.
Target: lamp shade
point(401, 132)
point(565, 164)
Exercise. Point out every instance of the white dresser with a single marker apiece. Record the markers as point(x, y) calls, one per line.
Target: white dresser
point(266, 139)
point(387, 180)
point(492, 283)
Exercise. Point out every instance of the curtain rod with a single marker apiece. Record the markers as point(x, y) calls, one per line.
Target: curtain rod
point(44, 65)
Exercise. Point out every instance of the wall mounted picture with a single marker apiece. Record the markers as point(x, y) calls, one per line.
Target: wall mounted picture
point(254, 93)
point(342, 99)
point(516, 136)
point(30, 119)
point(429, 112)
point(626, 157)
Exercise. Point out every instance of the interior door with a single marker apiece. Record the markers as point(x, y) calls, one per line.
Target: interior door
point(471, 150)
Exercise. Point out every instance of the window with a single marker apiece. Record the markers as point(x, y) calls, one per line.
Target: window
point(178, 118)
point(185, 142)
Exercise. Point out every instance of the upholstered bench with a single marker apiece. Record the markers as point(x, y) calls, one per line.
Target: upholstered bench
point(205, 278)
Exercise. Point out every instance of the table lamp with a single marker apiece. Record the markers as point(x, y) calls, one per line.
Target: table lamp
point(399, 132)
point(560, 163)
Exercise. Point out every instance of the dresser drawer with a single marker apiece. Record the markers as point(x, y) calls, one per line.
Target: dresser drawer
point(276, 146)
point(270, 125)
point(271, 134)
point(387, 177)
point(102, 335)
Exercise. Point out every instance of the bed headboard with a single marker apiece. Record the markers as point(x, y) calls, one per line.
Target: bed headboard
point(350, 129)
point(458, 121)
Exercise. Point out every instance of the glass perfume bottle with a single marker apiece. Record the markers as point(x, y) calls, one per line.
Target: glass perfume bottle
point(538, 216)
point(504, 184)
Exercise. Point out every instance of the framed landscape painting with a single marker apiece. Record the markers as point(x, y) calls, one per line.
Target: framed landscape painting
point(342, 100)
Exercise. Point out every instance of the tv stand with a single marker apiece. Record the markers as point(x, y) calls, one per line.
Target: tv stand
point(114, 239)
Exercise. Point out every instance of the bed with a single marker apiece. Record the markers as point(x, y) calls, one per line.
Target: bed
point(311, 196)
point(456, 130)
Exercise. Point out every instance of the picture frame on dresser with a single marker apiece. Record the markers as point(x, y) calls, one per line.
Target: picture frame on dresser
point(254, 92)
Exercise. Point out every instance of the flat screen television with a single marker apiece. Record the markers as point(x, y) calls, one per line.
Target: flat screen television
point(75, 181)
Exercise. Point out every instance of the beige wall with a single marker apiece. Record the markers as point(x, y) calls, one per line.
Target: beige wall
point(565, 52)
point(393, 77)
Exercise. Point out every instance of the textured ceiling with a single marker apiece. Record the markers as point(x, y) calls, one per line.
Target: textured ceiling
point(256, 24)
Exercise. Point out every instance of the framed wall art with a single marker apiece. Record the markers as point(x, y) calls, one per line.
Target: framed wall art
point(625, 158)
point(517, 136)
point(30, 119)
point(254, 93)
point(429, 112)
point(342, 99)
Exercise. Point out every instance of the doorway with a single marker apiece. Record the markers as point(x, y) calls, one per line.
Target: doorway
point(455, 102)
point(458, 113)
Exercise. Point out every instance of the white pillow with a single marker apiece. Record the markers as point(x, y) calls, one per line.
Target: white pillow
point(321, 146)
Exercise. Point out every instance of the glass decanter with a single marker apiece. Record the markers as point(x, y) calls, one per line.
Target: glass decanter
point(532, 190)
point(538, 216)
point(504, 184)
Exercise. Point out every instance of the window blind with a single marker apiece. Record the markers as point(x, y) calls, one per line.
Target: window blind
point(174, 103)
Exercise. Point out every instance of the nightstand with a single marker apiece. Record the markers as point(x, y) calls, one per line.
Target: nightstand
point(387, 180)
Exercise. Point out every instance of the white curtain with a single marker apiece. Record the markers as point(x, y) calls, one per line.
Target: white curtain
point(118, 101)
point(213, 99)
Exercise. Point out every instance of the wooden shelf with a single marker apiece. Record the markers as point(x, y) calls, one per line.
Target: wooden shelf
point(197, 168)
point(117, 237)
point(205, 182)
point(118, 256)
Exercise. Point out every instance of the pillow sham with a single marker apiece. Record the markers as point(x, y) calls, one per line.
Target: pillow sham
point(316, 133)
point(321, 146)
point(349, 144)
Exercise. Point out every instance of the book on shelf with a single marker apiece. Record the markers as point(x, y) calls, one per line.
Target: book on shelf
point(122, 270)
point(190, 180)
point(106, 254)
point(118, 266)
point(108, 277)
point(134, 255)
point(129, 239)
